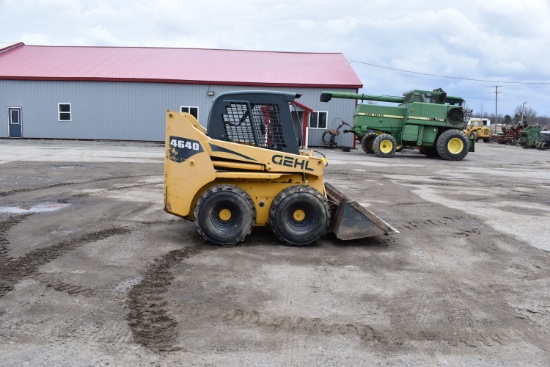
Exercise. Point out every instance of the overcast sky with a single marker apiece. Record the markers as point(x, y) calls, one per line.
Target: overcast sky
point(466, 47)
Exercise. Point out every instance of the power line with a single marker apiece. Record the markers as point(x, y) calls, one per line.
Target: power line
point(451, 77)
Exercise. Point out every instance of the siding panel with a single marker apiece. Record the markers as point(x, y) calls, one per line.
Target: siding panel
point(133, 111)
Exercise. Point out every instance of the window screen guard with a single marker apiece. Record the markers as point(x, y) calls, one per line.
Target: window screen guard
point(257, 124)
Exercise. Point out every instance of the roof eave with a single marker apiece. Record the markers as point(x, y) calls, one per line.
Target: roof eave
point(179, 81)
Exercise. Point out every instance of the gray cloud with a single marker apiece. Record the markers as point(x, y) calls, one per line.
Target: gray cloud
point(494, 40)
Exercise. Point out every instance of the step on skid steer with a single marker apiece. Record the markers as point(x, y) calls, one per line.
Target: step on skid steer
point(246, 169)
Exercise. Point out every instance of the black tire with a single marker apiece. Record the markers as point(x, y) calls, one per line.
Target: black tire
point(485, 140)
point(473, 135)
point(384, 146)
point(452, 145)
point(299, 215)
point(367, 143)
point(225, 214)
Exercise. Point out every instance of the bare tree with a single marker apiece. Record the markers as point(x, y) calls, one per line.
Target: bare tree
point(491, 116)
point(529, 114)
point(543, 121)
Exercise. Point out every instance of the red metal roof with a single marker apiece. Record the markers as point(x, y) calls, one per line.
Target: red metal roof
point(177, 65)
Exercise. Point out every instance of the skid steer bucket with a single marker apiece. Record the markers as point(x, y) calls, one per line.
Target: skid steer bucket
point(352, 221)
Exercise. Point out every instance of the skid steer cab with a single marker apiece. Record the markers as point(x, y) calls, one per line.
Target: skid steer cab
point(246, 169)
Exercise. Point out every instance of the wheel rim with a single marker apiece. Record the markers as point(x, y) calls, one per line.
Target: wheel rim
point(299, 215)
point(455, 146)
point(386, 146)
point(224, 214)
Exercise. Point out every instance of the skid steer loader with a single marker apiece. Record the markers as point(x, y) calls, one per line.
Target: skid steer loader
point(246, 169)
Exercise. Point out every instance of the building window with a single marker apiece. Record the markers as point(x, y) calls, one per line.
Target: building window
point(64, 111)
point(192, 110)
point(318, 120)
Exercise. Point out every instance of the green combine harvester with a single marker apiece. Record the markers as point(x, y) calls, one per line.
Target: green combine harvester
point(429, 120)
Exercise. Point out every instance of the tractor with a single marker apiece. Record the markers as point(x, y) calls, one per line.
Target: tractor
point(478, 128)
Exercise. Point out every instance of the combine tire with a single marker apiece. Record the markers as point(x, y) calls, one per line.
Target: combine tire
point(299, 215)
point(452, 145)
point(384, 146)
point(367, 142)
point(225, 214)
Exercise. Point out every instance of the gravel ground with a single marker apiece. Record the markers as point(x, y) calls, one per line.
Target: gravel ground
point(93, 272)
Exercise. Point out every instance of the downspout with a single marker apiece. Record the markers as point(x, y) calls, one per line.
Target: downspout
point(356, 102)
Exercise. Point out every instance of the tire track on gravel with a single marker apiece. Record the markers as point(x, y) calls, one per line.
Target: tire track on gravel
point(422, 224)
point(13, 270)
point(71, 289)
point(315, 325)
point(149, 319)
point(5, 226)
point(18, 191)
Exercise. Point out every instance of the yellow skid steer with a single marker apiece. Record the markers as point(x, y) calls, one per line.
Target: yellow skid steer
point(246, 169)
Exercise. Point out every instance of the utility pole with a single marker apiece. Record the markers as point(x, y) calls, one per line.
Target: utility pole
point(522, 111)
point(496, 103)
